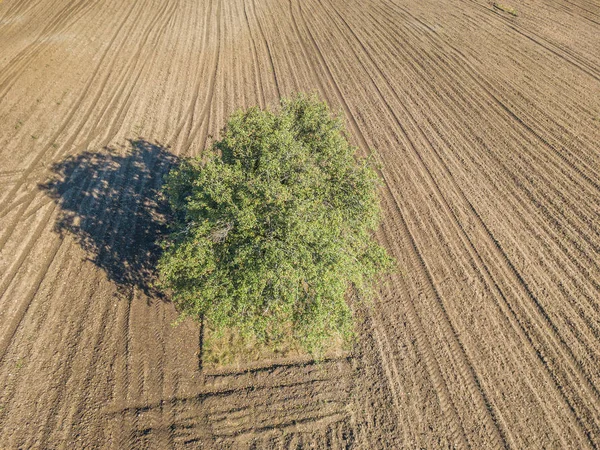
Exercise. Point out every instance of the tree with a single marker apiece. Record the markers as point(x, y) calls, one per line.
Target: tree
point(273, 227)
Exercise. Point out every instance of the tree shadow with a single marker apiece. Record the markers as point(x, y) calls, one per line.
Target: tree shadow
point(249, 405)
point(110, 202)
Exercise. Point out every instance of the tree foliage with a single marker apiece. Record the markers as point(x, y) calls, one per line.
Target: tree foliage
point(273, 227)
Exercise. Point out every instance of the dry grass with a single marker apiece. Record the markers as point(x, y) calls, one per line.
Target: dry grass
point(229, 350)
point(507, 9)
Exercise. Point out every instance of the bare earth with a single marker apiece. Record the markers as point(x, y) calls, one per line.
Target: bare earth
point(488, 130)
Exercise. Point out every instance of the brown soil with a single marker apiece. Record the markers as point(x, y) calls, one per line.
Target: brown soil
point(487, 126)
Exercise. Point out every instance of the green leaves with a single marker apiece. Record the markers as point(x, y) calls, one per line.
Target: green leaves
point(273, 228)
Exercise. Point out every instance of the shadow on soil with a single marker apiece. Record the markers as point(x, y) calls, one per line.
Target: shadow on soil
point(110, 202)
point(258, 407)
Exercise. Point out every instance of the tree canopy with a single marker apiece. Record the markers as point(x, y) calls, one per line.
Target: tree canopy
point(273, 227)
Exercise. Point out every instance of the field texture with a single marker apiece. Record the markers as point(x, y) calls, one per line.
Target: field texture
point(487, 126)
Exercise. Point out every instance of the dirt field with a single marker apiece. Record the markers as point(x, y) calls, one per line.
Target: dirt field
point(488, 129)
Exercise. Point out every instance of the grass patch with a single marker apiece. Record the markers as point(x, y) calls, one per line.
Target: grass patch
point(228, 349)
point(507, 9)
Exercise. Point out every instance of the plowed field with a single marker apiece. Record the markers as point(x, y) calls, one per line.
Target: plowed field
point(487, 126)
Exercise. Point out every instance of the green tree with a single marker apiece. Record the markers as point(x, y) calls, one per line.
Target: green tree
point(273, 227)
